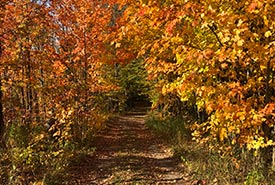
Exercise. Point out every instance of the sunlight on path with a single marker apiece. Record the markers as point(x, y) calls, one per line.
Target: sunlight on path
point(128, 153)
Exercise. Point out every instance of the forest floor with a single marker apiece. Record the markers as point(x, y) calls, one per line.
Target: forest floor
point(127, 152)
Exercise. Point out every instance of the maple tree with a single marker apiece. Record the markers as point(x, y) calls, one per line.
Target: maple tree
point(53, 55)
point(216, 55)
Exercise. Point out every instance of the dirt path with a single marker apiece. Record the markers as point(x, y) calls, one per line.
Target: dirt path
point(128, 153)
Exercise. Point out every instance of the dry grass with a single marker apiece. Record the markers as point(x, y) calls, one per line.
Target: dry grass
point(209, 166)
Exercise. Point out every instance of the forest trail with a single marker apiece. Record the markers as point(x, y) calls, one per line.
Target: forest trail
point(127, 152)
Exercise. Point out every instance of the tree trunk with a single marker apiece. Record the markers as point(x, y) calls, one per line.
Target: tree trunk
point(273, 159)
point(267, 152)
point(2, 123)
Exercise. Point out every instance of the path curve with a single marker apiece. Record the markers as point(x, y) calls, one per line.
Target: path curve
point(127, 152)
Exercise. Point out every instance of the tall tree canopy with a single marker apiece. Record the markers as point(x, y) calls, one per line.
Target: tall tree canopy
point(217, 54)
point(61, 59)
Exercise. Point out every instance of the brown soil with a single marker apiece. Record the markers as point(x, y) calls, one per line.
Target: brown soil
point(127, 152)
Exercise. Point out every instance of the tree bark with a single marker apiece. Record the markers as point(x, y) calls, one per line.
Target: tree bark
point(267, 152)
point(2, 123)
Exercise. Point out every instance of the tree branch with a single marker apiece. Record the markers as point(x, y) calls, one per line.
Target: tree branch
point(213, 28)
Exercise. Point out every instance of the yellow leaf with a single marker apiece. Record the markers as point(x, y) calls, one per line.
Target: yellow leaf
point(265, 20)
point(117, 45)
point(268, 34)
point(257, 145)
point(240, 42)
point(260, 79)
point(223, 134)
point(263, 67)
point(231, 128)
point(57, 133)
point(233, 142)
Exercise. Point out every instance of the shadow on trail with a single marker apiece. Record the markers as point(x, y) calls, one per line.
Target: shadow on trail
point(128, 153)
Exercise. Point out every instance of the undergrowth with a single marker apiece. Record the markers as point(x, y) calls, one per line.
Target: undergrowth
point(42, 160)
point(170, 127)
point(205, 165)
